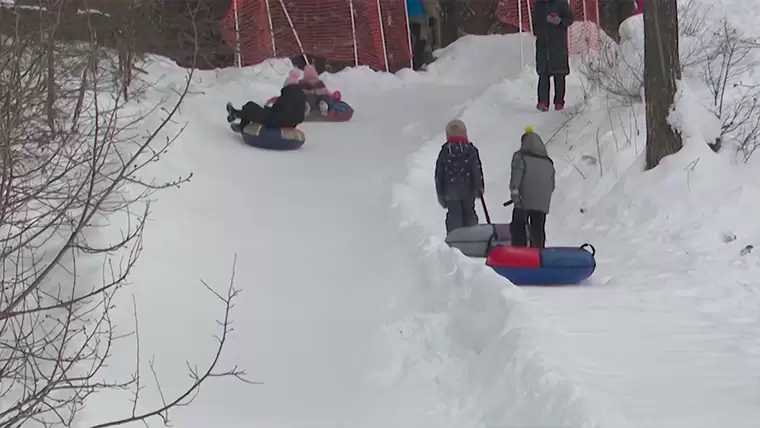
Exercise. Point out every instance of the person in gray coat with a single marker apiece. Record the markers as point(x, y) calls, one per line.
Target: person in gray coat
point(531, 186)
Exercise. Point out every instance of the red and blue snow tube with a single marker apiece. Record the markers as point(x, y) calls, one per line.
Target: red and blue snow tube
point(339, 111)
point(543, 266)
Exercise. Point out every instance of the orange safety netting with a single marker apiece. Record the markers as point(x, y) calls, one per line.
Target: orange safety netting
point(583, 35)
point(322, 28)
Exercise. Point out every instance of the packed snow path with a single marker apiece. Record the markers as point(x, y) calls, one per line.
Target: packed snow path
point(324, 267)
point(319, 257)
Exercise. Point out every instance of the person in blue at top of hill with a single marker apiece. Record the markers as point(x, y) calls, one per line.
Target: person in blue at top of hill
point(458, 177)
point(551, 20)
point(531, 186)
point(423, 18)
point(288, 111)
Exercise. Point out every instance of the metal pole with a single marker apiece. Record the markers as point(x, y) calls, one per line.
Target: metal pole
point(530, 22)
point(271, 29)
point(409, 34)
point(382, 35)
point(238, 56)
point(353, 33)
point(293, 29)
point(520, 27)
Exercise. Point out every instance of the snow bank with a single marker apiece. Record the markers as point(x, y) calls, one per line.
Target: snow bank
point(668, 323)
point(481, 58)
point(477, 344)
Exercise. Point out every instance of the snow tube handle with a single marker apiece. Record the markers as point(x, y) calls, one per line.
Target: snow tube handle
point(586, 246)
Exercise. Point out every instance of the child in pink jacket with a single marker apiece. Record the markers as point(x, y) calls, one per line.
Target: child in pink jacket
point(316, 91)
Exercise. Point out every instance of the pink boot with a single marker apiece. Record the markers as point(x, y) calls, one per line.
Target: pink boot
point(559, 106)
point(543, 106)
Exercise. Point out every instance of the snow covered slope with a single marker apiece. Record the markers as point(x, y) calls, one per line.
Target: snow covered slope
point(354, 313)
point(666, 333)
point(320, 258)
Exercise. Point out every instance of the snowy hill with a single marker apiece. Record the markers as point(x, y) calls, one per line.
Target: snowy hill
point(354, 313)
point(670, 321)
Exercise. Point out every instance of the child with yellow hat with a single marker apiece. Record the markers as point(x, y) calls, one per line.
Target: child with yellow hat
point(531, 186)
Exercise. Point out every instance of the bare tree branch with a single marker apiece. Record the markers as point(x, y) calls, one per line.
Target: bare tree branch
point(73, 161)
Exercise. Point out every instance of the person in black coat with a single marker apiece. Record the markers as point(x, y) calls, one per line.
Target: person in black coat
point(551, 19)
point(288, 111)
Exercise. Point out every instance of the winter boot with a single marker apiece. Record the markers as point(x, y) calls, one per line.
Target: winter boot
point(230, 113)
point(543, 106)
point(324, 108)
point(559, 106)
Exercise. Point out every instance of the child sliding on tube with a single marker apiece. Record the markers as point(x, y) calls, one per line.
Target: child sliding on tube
point(288, 111)
point(316, 91)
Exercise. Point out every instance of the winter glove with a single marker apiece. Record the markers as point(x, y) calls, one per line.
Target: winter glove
point(515, 196)
point(553, 19)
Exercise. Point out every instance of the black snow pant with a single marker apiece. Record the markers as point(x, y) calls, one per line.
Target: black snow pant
point(537, 222)
point(460, 213)
point(251, 112)
point(544, 87)
point(419, 45)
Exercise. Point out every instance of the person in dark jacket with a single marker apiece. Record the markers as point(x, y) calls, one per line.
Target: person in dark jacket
point(531, 186)
point(458, 177)
point(288, 111)
point(551, 19)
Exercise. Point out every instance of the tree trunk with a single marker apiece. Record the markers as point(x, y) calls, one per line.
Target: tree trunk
point(661, 71)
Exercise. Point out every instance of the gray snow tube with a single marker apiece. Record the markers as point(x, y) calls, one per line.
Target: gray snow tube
point(479, 240)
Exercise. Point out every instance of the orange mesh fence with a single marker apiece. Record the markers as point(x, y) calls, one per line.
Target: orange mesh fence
point(583, 34)
point(349, 31)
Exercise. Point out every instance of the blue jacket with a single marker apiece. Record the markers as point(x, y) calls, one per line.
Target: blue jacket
point(415, 9)
point(458, 171)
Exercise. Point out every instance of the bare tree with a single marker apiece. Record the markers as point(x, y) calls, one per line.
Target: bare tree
point(726, 58)
point(617, 67)
point(614, 72)
point(662, 69)
point(73, 159)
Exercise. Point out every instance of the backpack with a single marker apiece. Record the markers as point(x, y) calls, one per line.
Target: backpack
point(460, 162)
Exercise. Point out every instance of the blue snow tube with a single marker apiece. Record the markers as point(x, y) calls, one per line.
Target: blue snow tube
point(339, 111)
point(544, 266)
point(273, 138)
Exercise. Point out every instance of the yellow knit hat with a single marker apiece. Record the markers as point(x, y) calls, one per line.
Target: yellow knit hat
point(528, 129)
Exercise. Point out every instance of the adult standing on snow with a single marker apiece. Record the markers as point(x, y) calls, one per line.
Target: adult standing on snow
point(424, 23)
point(531, 186)
point(551, 19)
